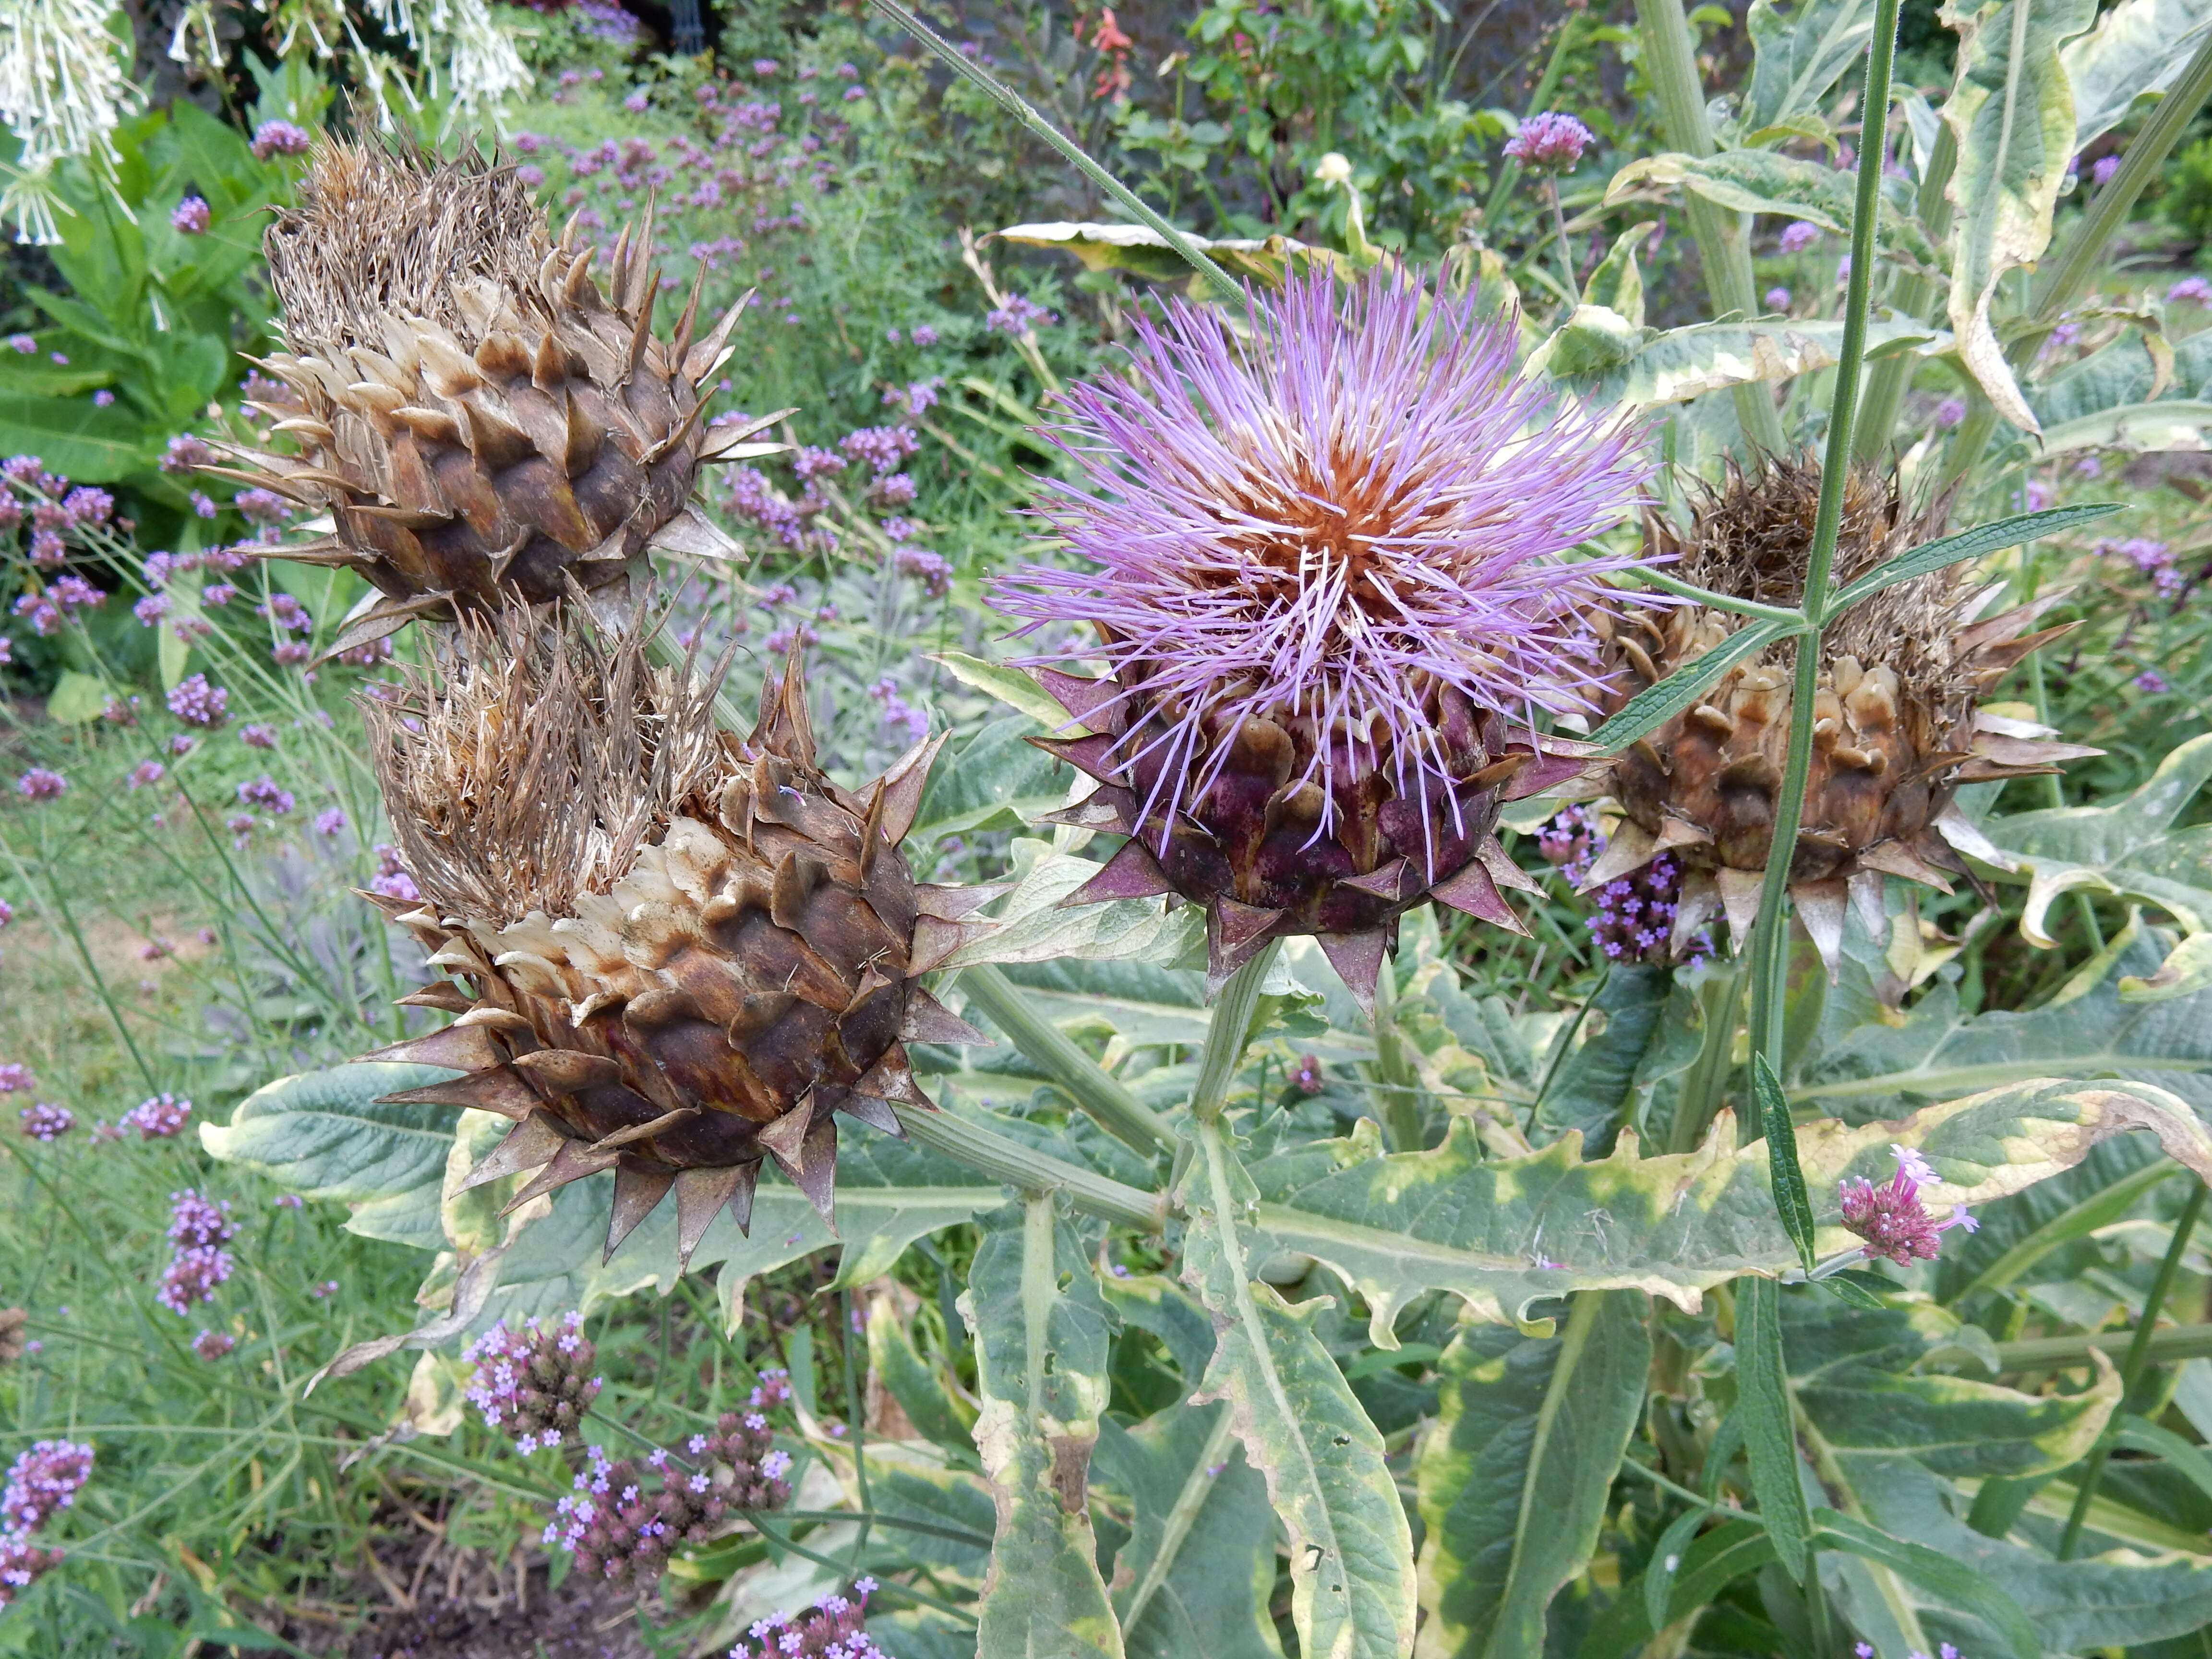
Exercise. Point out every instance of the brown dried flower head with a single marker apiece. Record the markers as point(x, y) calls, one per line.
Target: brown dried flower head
point(676, 953)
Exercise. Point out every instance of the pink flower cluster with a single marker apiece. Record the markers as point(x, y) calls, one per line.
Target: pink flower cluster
point(279, 138)
point(45, 1121)
point(829, 1630)
point(1550, 143)
point(534, 1382)
point(42, 1482)
point(196, 702)
point(199, 1228)
point(2153, 559)
point(158, 1118)
point(390, 878)
point(1889, 1217)
point(618, 1530)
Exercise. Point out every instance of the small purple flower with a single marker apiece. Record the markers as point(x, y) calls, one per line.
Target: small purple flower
point(203, 506)
point(14, 1078)
point(287, 1201)
point(159, 1117)
point(40, 783)
point(1550, 143)
point(1018, 316)
point(2102, 169)
point(24, 344)
point(264, 792)
point(261, 505)
point(191, 215)
point(1307, 1079)
point(193, 1276)
point(195, 701)
point(1798, 235)
point(2152, 681)
point(1778, 299)
point(42, 1482)
point(1889, 1217)
point(43, 1121)
point(1950, 412)
point(213, 1345)
point(279, 138)
point(102, 398)
point(151, 608)
point(196, 1221)
point(255, 735)
point(330, 821)
point(924, 566)
point(2194, 290)
point(922, 335)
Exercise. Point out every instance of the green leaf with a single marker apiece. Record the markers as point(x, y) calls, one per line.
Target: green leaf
point(1774, 1123)
point(2012, 114)
point(1770, 1431)
point(2022, 1230)
point(1687, 362)
point(1041, 1332)
point(1515, 1474)
point(1594, 340)
point(1616, 284)
point(996, 780)
point(77, 698)
point(1144, 252)
point(1199, 1570)
point(1767, 181)
point(1596, 1085)
point(1990, 538)
point(1502, 1233)
point(1351, 1551)
point(2138, 47)
point(325, 1134)
point(893, 1360)
point(1957, 1585)
point(1666, 1562)
point(1034, 927)
point(1710, 1565)
point(1655, 705)
point(2185, 1456)
point(1011, 687)
point(75, 437)
point(1799, 55)
point(2175, 423)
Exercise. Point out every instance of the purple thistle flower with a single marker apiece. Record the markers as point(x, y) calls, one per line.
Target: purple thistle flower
point(1889, 1217)
point(1550, 143)
point(1372, 506)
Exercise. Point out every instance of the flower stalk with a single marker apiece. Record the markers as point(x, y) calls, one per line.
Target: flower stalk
point(1096, 1090)
point(1229, 1035)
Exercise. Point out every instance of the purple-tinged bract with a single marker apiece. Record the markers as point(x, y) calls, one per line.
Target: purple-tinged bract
point(1329, 575)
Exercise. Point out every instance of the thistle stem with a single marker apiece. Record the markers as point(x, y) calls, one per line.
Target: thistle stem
point(1559, 237)
point(992, 1154)
point(1401, 1103)
point(1770, 937)
point(1670, 61)
point(1088, 1083)
point(1229, 1033)
point(2131, 1370)
point(1911, 295)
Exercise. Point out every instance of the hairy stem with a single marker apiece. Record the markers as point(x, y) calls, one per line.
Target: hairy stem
point(2131, 1370)
point(1670, 61)
point(1105, 1097)
point(1912, 295)
point(1229, 1034)
point(1770, 937)
point(1559, 237)
point(992, 1154)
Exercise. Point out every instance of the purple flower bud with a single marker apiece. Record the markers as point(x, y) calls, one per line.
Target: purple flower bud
point(279, 138)
point(1550, 143)
point(191, 215)
point(40, 784)
point(1798, 235)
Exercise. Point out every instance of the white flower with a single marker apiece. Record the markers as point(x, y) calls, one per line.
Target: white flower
point(61, 82)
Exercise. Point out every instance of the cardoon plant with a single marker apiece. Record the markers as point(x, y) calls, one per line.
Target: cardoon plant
point(1329, 574)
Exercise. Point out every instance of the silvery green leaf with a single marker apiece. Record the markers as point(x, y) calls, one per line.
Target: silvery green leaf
point(1683, 363)
point(1041, 1331)
point(325, 1134)
point(2137, 47)
point(1800, 54)
point(2012, 114)
point(995, 781)
point(1515, 1473)
point(2178, 424)
point(1034, 927)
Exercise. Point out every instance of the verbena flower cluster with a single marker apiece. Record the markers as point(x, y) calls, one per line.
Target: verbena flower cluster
point(619, 1528)
point(1632, 917)
point(41, 1483)
point(534, 1383)
point(829, 1630)
point(198, 1228)
point(158, 1118)
point(1550, 143)
point(1366, 504)
point(1889, 1217)
point(45, 1121)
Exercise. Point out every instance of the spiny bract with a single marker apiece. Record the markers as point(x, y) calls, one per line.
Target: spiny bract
point(682, 952)
point(1327, 577)
point(476, 417)
point(1897, 726)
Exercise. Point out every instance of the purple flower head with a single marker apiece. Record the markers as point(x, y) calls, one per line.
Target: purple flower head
point(1369, 507)
point(264, 792)
point(534, 1382)
point(1550, 143)
point(191, 215)
point(1889, 1217)
point(193, 1276)
point(1950, 412)
point(43, 1121)
point(2102, 169)
point(255, 735)
point(2195, 289)
point(927, 567)
point(157, 1118)
point(1778, 299)
point(213, 1345)
point(330, 821)
point(40, 784)
point(14, 1078)
point(1798, 235)
point(196, 1221)
point(196, 702)
point(2150, 680)
point(43, 1481)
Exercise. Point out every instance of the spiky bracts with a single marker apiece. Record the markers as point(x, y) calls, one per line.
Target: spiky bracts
point(1897, 725)
point(477, 418)
point(676, 953)
point(1326, 574)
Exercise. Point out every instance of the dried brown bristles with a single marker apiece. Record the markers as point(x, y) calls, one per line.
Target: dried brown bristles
point(530, 764)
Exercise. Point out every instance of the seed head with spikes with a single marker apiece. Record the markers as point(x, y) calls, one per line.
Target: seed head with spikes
point(1327, 569)
point(676, 953)
point(476, 417)
point(1897, 728)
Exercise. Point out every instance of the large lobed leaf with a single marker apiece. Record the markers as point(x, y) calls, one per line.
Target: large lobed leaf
point(2138, 47)
point(1041, 1331)
point(1799, 55)
point(1504, 1233)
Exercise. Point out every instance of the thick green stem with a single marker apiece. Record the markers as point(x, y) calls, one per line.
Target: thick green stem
point(1769, 938)
point(1723, 248)
point(1232, 1031)
point(992, 1154)
point(1911, 296)
point(1018, 107)
point(2082, 256)
point(2044, 1353)
point(1700, 1094)
point(2131, 1370)
point(1086, 1083)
